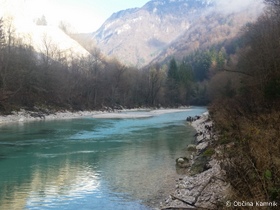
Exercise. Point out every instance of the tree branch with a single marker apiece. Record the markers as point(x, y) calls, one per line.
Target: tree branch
point(239, 72)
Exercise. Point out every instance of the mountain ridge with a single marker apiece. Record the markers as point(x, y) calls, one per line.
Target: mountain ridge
point(138, 36)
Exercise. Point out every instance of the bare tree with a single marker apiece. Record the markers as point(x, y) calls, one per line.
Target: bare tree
point(156, 82)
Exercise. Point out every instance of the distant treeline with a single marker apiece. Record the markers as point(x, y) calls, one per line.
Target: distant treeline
point(56, 80)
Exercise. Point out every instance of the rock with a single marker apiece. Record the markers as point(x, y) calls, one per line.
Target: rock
point(200, 138)
point(182, 162)
point(204, 186)
point(191, 148)
point(200, 165)
point(202, 146)
point(190, 199)
point(189, 119)
point(202, 190)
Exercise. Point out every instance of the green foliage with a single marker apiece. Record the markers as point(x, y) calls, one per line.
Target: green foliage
point(173, 72)
point(274, 193)
point(203, 61)
point(199, 94)
point(268, 175)
point(209, 152)
point(185, 74)
point(181, 87)
point(224, 140)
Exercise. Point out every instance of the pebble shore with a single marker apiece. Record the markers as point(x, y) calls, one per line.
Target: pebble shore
point(28, 116)
point(38, 115)
point(203, 190)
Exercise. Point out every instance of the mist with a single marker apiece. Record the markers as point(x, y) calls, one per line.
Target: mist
point(228, 6)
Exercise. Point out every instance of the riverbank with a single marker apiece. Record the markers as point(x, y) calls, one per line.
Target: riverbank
point(28, 116)
point(204, 185)
point(39, 115)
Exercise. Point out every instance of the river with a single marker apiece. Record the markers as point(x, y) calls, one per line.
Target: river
point(92, 163)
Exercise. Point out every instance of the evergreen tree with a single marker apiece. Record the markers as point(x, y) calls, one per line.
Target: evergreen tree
point(172, 91)
point(173, 71)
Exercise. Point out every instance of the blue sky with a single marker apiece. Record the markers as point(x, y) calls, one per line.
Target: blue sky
point(84, 15)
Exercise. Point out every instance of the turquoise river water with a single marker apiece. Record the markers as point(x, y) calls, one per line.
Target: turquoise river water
point(91, 163)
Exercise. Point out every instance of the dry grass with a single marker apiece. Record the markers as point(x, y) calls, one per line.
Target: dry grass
point(253, 164)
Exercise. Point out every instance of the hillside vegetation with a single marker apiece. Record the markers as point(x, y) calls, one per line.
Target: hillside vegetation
point(246, 111)
point(48, 80)
point(161, 29)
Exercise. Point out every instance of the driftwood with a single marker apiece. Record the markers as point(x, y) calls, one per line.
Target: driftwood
point(180, 199)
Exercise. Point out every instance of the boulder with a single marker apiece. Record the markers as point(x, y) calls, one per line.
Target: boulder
point(191, 148)
point(183, 162)
point(180, 160)
point(202, 146)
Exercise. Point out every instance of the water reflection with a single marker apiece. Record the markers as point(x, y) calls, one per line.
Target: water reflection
point(90, 163)
point(66, 179)
point(68, 182)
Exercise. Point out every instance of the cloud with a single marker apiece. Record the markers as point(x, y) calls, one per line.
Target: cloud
point(231, 6)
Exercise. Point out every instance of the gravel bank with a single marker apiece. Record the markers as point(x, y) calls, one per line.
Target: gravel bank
point(204, 185)
point(37, 115)
point(28, 116)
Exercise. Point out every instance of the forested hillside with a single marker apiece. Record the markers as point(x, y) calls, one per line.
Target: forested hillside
point(47, 80)
point(51, 79)
point(245, 107)
point(163, 29)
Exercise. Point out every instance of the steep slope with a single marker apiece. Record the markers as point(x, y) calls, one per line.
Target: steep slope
point(138, 36)
point(214, 28)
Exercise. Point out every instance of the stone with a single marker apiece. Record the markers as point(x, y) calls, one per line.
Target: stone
point(180, 160)
point(183, 162)
point(202, 146)
point(203, 186)
point(191, 148)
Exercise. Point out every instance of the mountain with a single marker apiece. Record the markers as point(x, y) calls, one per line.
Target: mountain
point(214, 28)
point(41, 36)
point(162, 28)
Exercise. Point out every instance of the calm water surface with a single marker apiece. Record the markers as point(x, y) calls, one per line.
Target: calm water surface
point(91, 163)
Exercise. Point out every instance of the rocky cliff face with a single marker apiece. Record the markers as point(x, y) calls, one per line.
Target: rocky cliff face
point(138, 36)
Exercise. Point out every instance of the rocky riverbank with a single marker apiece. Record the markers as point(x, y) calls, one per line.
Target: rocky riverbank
point(204, 185)
point(38, 114)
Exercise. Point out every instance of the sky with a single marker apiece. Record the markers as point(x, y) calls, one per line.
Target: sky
point(84, 15)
